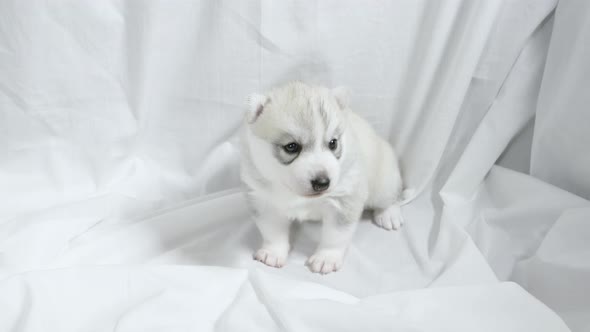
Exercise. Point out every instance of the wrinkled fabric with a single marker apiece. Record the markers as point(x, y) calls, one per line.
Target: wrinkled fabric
point(119, 165)
point(561, 144)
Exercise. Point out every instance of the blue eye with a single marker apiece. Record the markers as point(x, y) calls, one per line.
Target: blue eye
point(292, 148)
point(333, 144)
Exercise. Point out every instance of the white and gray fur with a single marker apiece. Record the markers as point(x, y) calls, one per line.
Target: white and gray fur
point(362, 170)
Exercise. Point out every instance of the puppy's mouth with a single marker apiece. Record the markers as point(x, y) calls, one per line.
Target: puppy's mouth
point(314, 195)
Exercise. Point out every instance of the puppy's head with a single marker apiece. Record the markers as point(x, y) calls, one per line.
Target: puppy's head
point(298, 136)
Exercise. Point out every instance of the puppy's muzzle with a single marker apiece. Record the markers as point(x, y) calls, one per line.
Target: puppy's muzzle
point(320, 183)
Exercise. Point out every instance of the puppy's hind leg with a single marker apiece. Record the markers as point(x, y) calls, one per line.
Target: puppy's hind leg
point(387, 191)
point(389, 218)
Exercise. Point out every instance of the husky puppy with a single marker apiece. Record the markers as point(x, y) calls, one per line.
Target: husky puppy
point(307, 156)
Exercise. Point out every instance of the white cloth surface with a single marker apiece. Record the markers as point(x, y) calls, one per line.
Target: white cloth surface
point(560, 151)
point(119, 167)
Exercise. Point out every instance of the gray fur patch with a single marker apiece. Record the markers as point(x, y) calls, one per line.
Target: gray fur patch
point(338, 151)
point(282, 156)
point(323, 114)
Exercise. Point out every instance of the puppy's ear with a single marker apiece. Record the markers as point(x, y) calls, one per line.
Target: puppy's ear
point(342, 96)
point(256, 103)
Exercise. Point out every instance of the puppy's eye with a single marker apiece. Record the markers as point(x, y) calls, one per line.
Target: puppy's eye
point(333, 144)
point(292, 148)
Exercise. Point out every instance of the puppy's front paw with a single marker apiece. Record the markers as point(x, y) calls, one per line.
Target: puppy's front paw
point(326, 261)
point(390, 218)
point(274, 258)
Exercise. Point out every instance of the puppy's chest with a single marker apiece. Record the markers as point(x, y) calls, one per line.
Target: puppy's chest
point(303, 210)
point(304, 213)
point(298, 208)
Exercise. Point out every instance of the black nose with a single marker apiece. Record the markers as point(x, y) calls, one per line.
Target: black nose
point(320, 183)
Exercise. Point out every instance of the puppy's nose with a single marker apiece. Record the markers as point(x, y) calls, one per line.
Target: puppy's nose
point(320, 183)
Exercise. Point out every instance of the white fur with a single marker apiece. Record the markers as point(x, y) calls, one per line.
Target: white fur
point(366, 175)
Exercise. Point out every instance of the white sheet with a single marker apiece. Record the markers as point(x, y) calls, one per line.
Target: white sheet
point(118, 168)
point(563, 104)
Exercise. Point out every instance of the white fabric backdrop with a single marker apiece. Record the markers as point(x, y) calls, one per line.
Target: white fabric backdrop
point(561, 144)
point(119, 178)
